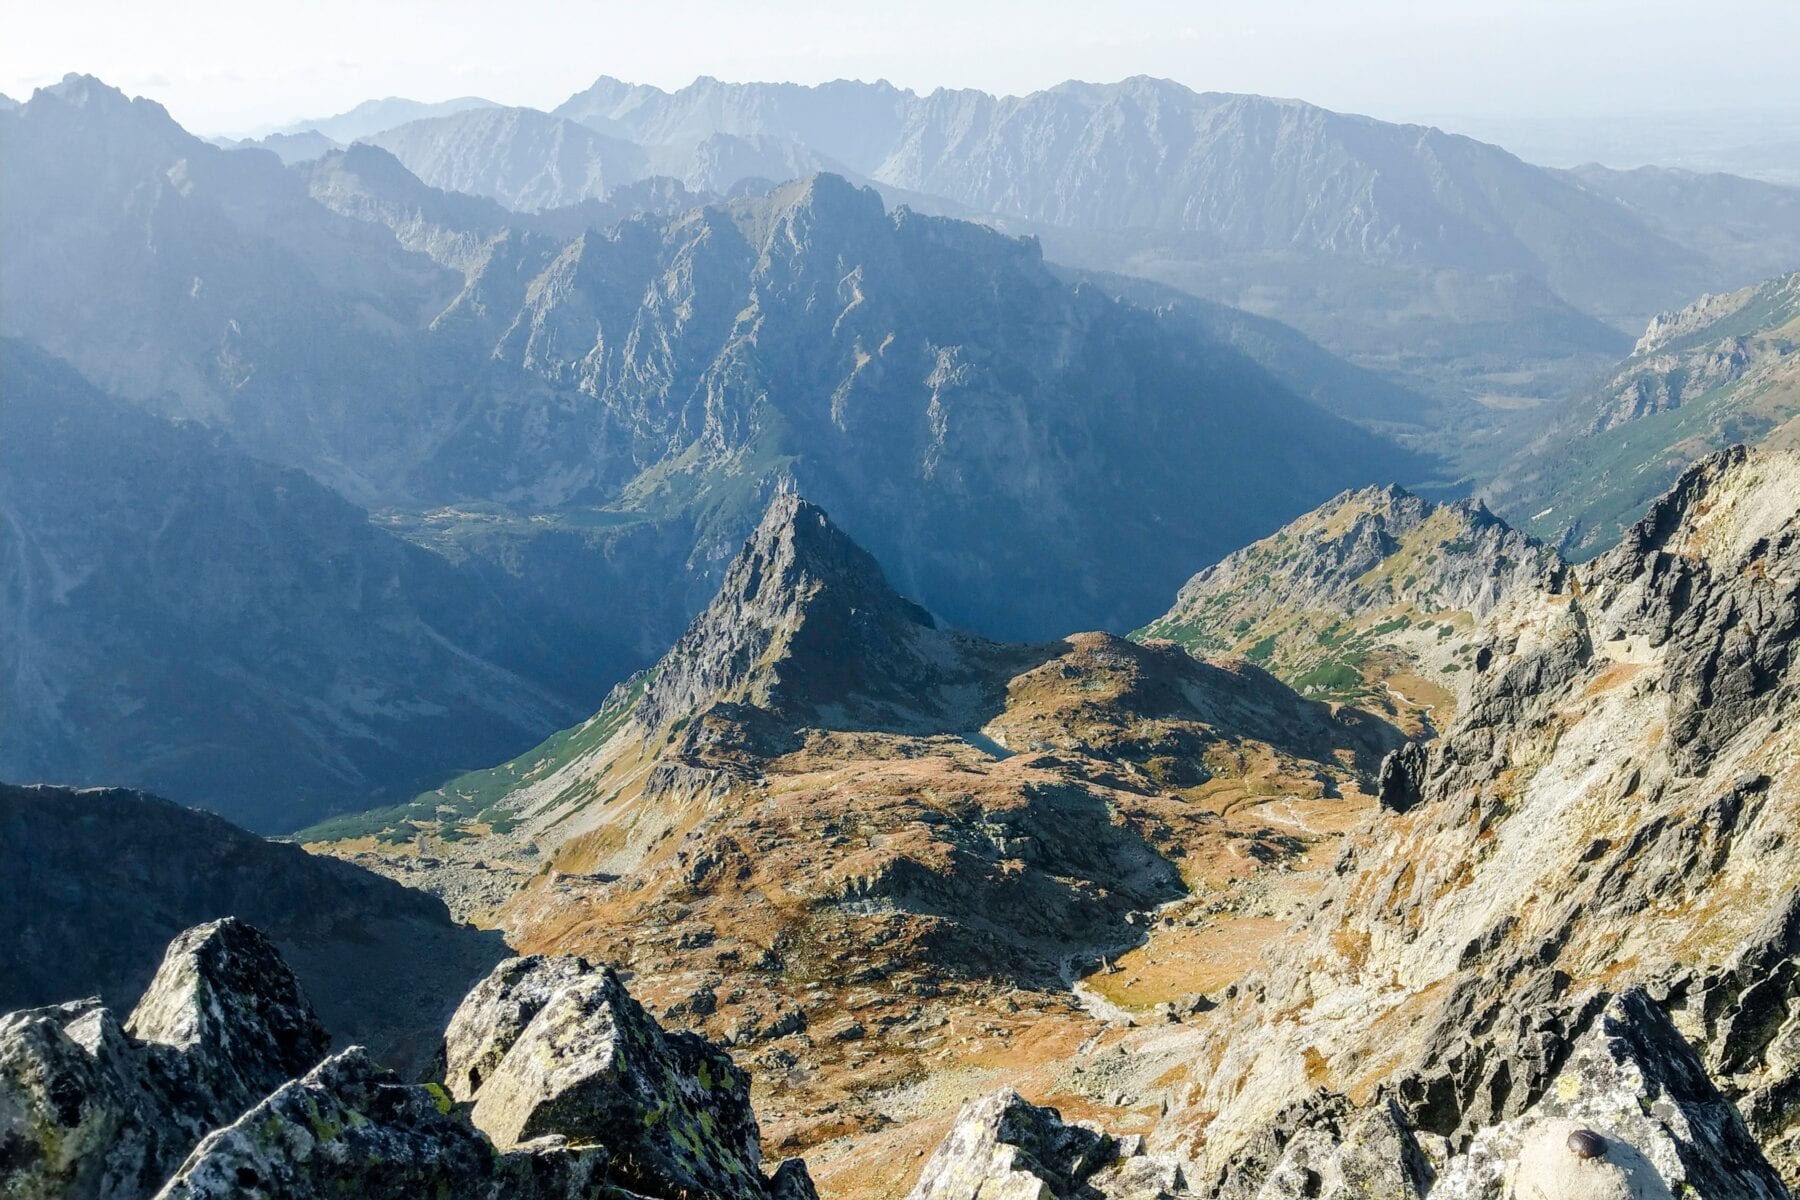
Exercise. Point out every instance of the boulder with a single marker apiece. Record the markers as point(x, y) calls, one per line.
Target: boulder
point(350, 1128)
point(554, 1046)
point(226, 1002)
point(493, 1015)
point(1003, 1148)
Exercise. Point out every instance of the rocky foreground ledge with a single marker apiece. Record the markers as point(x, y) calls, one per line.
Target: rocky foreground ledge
point(221, 1084)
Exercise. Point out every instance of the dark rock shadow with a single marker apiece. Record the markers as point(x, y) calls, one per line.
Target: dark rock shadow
point(96, 883)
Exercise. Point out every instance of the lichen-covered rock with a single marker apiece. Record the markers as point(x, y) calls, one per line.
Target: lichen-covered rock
point(348, 1128)
point(558, 1047)
point(224, 998)
point(1324, 1147)
point(1003, 1148)
point(1633, 1090)
point(493, 1015)
point(90, 1110)
point(77, 1118)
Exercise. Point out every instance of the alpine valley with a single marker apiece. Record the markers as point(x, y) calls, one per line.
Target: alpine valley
point(762, 642)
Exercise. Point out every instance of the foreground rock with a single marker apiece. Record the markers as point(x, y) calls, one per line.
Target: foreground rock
point(556, 1046)
point(92, 1110)
point(1002, 1147)
point(215, 1088)
point(350, 1128)
point(1631, 1115)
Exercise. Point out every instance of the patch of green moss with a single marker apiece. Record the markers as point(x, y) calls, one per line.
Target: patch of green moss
point(440, 1097)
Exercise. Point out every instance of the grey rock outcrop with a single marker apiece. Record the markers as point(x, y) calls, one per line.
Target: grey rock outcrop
point(555, 1046)
point(1323, 1146)
point(1003, 1148)
point(1611, 808)
point(350, 1128)
point(215, 1088)
point(92, 1110)
point(1637, 1088)
point(227, 1003)
point(1747, 1015)
point(1628, 1113)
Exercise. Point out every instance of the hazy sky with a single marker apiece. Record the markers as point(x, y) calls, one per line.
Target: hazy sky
point(232, 65)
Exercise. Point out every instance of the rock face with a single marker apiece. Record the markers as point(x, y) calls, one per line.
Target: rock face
point(90, 1109)
point(1655, 1125)
point(350, 1128)
point(1630, 1114)
point(1002, 1148)
point(555, 1046)
point(1613, 806)
point(1323, 1146)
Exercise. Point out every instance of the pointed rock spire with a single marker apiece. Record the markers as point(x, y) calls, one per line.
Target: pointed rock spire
point(807, 628)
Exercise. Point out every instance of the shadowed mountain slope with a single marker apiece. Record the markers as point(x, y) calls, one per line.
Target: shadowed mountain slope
point(98, 881)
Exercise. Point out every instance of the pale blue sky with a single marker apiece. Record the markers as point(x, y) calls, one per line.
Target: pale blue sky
point(227, 65)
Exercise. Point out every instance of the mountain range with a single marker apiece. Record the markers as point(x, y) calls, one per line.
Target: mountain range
point(576, 413)
point(662, 570)
point(1403, 247)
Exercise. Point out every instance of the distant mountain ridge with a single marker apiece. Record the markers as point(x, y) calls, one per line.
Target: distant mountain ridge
point(373, 116)
point(1418, 252)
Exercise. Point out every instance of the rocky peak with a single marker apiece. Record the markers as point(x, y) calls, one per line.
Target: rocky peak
point(85, 91)
point(806, 628)
point(1373, 584)
point(558, 1047)
point(225, 1000)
